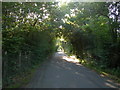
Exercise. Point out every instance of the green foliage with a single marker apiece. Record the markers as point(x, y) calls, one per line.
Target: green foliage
point(90, 36)
point(30, 30)
point(113, 73)
point(25, 51)
point(25, 42)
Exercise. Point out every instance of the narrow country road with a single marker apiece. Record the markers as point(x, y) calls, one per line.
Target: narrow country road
point(59, 73)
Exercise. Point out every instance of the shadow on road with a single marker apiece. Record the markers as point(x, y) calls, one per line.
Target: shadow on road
point(65, 72)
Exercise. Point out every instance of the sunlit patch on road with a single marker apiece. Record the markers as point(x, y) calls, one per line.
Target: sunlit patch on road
point(71, 59)
point(60, 52)
point(110, 85)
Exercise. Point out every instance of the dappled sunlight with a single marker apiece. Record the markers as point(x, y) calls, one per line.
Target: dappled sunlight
point(43, 35)
point(71, 59)
point(60, 52)
point(78, 64)
point(63, 2)
point(110, 85)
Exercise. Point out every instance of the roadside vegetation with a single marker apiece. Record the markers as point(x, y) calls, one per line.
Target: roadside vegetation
point(93, 36)
point(25, 42)
point(30, 31)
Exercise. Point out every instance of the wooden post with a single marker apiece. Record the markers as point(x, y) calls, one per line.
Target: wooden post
point(26, 60)
point(20, 61)
point(29, 59)
point(5, 66)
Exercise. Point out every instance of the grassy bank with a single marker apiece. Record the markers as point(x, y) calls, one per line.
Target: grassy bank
point(24, 78)
point(112, 73)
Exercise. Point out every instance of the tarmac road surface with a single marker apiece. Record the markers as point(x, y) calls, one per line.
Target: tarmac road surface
point(60, 73)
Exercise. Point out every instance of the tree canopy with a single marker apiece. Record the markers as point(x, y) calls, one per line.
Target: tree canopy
point(30, 31)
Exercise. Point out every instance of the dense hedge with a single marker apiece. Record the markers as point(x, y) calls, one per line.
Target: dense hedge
point(29, 31)
point(26, 40)
point(24, 49)
point(94, 36)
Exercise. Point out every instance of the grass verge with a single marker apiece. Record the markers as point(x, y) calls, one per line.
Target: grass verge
point(24, 78)
point(21, 80)
point(110, 73)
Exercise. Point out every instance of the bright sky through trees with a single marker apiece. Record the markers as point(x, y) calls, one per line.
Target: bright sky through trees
point(84, 29)
point(62, 2)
